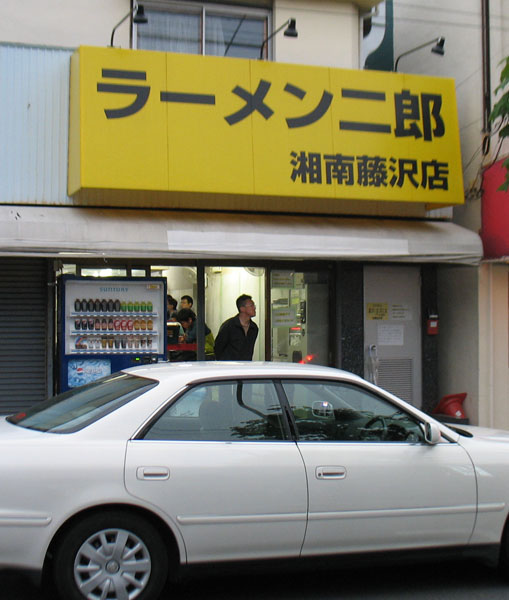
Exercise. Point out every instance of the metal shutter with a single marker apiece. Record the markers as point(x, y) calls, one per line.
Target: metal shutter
point(23, 333)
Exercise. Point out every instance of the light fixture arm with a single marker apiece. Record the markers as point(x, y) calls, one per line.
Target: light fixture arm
point(133, 13)
point(272, 35)
point(433, 41)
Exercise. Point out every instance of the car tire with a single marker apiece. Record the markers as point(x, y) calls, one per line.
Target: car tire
point(112, 554)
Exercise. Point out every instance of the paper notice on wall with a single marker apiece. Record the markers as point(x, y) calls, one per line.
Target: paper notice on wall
point(389, 334)
point(284, 317)
point(377, 311)
point(401, 312)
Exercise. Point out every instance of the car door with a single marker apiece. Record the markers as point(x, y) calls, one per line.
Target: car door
point(219, 462)
point(374, 483)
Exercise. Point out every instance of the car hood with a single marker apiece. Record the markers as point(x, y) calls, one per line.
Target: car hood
point(486, 433)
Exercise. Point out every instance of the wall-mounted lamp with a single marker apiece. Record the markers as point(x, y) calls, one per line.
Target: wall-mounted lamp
point(290, 31)
point(138, 14)
point(438, 48)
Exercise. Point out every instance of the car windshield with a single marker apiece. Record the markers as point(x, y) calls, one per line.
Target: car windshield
point(75, 409)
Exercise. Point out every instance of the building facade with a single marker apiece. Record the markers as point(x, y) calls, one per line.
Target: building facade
point(201, 149)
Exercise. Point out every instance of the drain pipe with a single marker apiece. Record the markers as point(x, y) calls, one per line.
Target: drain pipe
point(486, 75)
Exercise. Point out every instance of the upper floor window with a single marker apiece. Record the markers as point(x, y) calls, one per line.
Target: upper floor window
point(198, 28)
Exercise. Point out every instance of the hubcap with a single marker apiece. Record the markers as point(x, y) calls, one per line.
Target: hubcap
point(113, 564)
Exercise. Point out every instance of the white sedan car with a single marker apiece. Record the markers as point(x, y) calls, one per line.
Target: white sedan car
point(115, 486)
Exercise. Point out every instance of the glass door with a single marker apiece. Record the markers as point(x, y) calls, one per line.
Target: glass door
point(299, 316)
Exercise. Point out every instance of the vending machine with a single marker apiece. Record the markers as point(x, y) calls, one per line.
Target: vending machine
point(109, 324)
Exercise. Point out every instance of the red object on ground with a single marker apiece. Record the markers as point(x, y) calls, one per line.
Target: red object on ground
point(451, 405)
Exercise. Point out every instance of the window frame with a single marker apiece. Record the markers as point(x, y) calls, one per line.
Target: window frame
point(294, 423)
point(204, 8)
point(287, 430)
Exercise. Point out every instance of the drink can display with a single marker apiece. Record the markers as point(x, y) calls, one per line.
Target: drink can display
point(143, 306)
point(77, 324)
point(111, 324)
point(117, 342)
point(136, 325)
point(91, 324)
point(149, 342)
point(143, 342)
point(123, 324)
point(130, 342)
point(104, 325)
point(123, 342)
point(90, 305)
point(84, 305)
point(97, 324)
point(130, 324)
point(136, 306)
point(150, 306)
point(104, 305)
point(84, 323)
point(97, 305)
point(77, 305)
point(116, 324)
point(150, 324)
point(117, 305)
point(111, 305)
point(130, 306)
point(143, 324)
point(123, 306)
point(104, 342)
point(137, 343)
point(110, 341)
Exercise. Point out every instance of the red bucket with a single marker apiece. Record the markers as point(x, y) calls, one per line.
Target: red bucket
point(452, 406)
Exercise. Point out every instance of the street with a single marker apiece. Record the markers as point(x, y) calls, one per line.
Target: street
point(434, 581)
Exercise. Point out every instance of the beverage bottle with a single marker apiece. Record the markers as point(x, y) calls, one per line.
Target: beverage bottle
point(123, 306)
point(77, 305)
point(97, 305)
point(90, 305)
point(130, 306)
point(150, 324)
point(150, 306)
point(104, 305)
point(84, 323)
point(143, 306)
point(117, 305)
point(111, 324)
point(143, 324)
point(136, 306)
point(77, 324)
point(84, 304)
point(97, 324)
point(111, 305)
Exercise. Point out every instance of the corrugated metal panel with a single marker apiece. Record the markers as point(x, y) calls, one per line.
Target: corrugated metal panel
point(34, 100)
point(396, 376)
point(23, 330)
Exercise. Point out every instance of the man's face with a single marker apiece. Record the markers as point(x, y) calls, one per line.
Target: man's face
point(186, 324)
point(184, 303)
point(249, 308)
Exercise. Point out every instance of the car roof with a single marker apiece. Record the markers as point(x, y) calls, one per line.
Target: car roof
point(196, 370)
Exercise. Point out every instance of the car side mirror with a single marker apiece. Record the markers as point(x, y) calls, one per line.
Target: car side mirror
point(432, 433)
point(322, 409)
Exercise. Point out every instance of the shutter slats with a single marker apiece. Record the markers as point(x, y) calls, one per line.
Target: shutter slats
point(23, 332)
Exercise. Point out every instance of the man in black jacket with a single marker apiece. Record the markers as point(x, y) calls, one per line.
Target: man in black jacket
point(237, 336)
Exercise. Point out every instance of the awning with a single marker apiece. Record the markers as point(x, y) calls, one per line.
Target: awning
point(89, 232)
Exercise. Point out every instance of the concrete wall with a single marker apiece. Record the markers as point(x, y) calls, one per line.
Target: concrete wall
point(328, 33)
point(493, 348)
point(64, 22)
point(458, 342)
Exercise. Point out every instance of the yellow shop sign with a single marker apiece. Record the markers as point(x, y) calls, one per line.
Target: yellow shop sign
point(167, 124)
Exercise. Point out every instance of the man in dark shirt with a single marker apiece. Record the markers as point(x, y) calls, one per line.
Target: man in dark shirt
point(237, 336)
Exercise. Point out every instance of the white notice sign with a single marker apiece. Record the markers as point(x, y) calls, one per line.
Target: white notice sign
point(390, 334)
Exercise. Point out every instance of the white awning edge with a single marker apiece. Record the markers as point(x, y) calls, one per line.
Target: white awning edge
point(72, 231)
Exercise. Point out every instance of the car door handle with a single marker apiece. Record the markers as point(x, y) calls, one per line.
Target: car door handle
point(152, 473)
point(330, 472)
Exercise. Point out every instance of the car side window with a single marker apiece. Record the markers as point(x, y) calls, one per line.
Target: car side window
point(222, 411)
point(337, 411)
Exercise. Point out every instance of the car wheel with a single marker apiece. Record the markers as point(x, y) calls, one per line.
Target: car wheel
point(112, 555)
